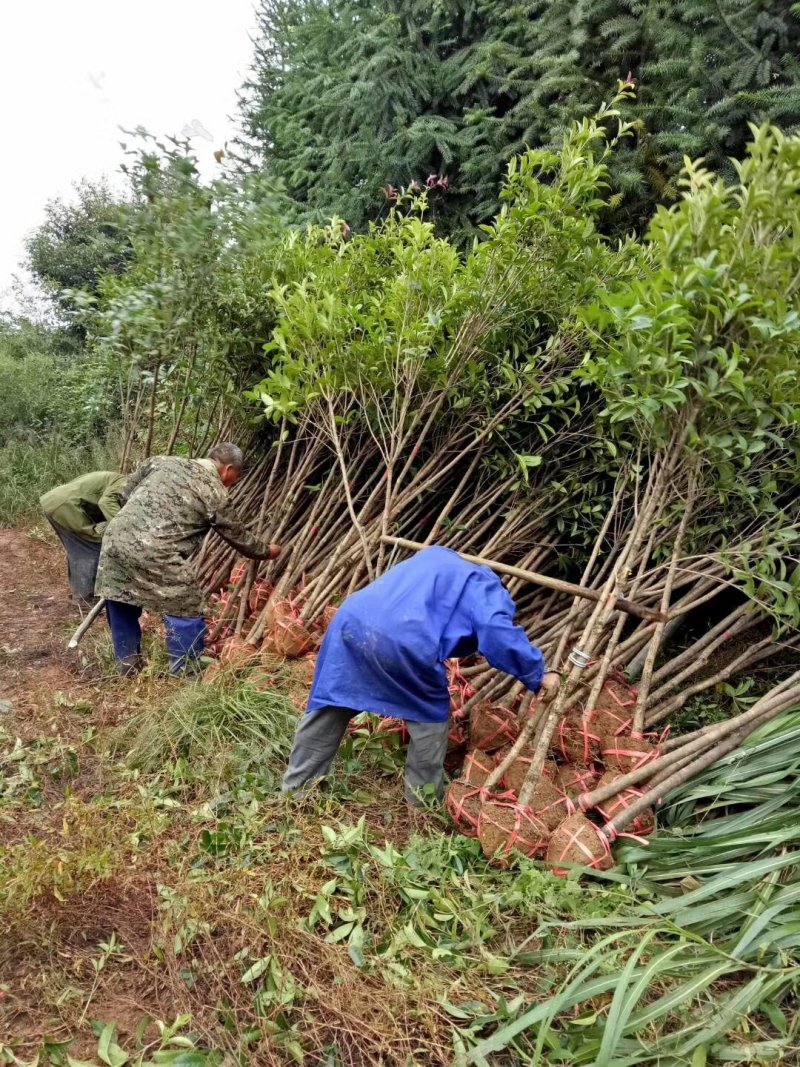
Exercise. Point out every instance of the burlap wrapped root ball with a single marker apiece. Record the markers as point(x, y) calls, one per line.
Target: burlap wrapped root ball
point(643, 824)
point(608, 722)
point(505, 827)
point(491, 726)
point(624, 753)
point(550, 803)
point(515, 774)
point(463, 803)
point(613, 709)
point(578, 841)
point(259, 595)
point(237, 654)
point(575, 739)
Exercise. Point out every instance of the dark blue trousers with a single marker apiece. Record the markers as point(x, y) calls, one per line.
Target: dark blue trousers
point(185, 637)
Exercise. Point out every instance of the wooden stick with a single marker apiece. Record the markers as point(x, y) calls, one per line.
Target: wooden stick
point(77, 637)
point(545, 580)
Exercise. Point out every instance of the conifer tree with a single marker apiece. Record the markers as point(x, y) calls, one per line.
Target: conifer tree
point(349, 99)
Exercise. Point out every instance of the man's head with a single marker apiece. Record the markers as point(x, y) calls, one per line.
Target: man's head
point(229, 461)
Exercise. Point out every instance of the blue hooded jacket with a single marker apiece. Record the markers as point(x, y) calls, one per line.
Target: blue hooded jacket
point(385, 648)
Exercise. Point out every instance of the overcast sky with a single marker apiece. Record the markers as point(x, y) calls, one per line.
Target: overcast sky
point(73, 71)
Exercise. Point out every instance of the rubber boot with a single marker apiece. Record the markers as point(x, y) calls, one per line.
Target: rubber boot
point(129, 666)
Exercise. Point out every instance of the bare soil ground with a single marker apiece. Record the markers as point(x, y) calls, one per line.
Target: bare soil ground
point(35, 619)
point(46, 691)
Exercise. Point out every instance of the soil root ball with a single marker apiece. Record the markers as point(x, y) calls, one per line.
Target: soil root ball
point(576, 778)
point(608, 722)
point(505, 827)
point(238, 573)
point(624, 754)
point(491, 726)
point(236, 653)
point(477, 767)
point(550, 803)
point(576, 741)
point(643, 824)
point(288, 636)
point(259, 596)
point(578, 841)
point(463, 803)
point(516, 773)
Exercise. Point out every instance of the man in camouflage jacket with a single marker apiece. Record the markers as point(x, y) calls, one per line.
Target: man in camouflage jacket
point(147, 558)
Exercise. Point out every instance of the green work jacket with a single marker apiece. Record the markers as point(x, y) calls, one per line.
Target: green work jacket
point(87, 504)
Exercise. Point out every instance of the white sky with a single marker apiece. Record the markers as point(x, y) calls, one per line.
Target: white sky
point(73, 71)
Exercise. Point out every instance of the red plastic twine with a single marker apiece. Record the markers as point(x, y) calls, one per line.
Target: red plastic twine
point(638, 759)
point(458, 813)
point(473, 760)
point(460, 690)
point(609, 835)
point(583, 733)
point(563, 801)
point(457, 735)
point(594, 861)
point(503, 732)
point(580, 780)
point(516, 836)
point(621, 802)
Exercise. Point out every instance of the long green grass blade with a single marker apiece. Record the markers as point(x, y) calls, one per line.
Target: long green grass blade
point(628, 994)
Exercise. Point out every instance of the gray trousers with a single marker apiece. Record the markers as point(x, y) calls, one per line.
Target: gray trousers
point(82, 559)
point(319, 735)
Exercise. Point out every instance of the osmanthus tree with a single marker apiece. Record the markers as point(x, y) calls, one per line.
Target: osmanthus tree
point(440, 383)
point(697, 361)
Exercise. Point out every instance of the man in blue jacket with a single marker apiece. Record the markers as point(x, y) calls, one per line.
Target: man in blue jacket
point(385, 650)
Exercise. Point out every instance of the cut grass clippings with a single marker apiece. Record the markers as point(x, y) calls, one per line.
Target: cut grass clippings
point(223, 727)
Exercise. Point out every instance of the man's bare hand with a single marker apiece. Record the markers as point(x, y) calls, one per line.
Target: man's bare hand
point(549, 687)
point(274, 551)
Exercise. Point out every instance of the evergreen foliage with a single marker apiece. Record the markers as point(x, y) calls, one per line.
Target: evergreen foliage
point(351, 97)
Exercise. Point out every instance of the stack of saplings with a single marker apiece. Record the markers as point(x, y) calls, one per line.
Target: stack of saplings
point(622, 415)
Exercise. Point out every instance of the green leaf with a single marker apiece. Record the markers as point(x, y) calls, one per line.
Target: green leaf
point(775, 1016)
point(628, 993)
point(108, 1050)
point(256, 971)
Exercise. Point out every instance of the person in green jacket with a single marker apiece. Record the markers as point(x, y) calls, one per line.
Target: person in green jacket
point(79, 512)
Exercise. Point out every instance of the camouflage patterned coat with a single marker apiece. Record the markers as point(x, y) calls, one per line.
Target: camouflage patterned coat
point(148, 549)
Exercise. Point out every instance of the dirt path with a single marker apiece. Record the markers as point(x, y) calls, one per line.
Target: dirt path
point(50, 694)
point(36, 617)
